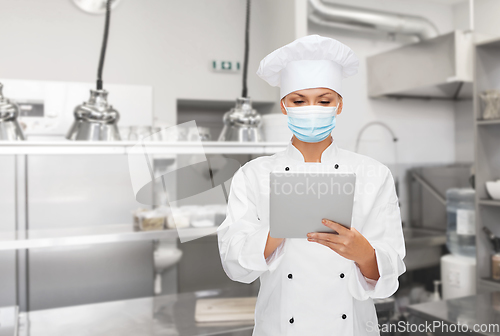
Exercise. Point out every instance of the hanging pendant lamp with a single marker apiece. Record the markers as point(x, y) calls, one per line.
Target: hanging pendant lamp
point(96, 120)
point(94, 6)
point(9, 126)
point(242, 123)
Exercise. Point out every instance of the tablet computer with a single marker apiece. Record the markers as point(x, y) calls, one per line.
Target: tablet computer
point(300, 200)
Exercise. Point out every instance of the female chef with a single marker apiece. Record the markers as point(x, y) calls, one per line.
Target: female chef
point(322, 284)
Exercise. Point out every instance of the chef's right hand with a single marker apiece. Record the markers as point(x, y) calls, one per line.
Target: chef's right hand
point(271, 245)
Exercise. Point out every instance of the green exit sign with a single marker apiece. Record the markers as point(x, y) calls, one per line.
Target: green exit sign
point(226, 66)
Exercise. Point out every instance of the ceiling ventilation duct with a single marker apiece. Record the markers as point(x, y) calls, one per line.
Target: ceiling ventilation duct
point(348, 17)
point(436, 67)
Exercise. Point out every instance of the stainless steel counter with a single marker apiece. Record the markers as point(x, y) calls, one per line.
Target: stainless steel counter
point(168, 315)
point(481, 310)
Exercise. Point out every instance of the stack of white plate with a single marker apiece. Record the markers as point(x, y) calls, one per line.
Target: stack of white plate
point(275, 128)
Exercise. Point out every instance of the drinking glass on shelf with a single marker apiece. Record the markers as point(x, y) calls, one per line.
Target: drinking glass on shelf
point(124, 132)
point(133, 136)
point(167, 131)
point(144, 132)
point(156, 134)
point(182, 133)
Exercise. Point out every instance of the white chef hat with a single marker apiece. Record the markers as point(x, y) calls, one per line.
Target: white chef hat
point(309, 62)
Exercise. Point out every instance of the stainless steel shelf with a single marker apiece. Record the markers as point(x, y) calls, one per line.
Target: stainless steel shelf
point(491, 280)
point(489, 42)
point(91, 235)
point(489, 284)
point(126, 147)
point(489, 202)
point(487, 158)
point(488, 122)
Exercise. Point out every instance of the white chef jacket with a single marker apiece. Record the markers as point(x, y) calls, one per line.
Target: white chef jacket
point(307, 288)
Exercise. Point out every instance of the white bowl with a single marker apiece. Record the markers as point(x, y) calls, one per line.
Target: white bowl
point(493, 188)
point(166, 257)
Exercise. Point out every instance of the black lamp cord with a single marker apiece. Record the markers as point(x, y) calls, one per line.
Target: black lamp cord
point(245, 61)
point(104, 45)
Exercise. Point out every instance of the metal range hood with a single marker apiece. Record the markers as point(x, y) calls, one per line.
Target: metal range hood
point(436, 68)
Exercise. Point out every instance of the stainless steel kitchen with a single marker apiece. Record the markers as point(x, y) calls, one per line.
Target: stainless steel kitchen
point(130, 130)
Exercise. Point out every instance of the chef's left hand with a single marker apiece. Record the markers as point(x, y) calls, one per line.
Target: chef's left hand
point(350, 244)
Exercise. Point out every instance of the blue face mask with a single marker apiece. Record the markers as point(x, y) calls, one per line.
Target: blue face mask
point(311, 123)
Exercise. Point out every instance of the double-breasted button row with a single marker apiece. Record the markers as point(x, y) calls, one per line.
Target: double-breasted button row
point(336, 167)
point(289, 277)
point(344, 316)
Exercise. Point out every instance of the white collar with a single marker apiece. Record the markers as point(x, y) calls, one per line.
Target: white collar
point(330, 154)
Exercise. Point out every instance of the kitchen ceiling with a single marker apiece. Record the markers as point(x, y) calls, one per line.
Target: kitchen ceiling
point(448, 2)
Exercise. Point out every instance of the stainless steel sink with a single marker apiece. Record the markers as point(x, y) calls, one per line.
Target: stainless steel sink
point(423, 247)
